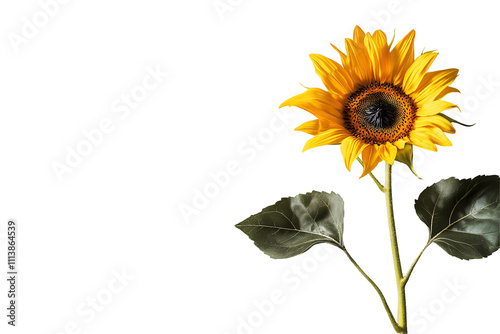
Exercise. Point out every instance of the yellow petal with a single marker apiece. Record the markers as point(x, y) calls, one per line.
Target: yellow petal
point(385, 56)
point(400, 143)
point(437, 136)
point(402, 57)
point(435, 121)
point(433, 84)
point(358, 63)
point(317, 126)
point(318, 102)
point(333, 75)
point(351, 147)
point(310, 127)
point(422, 140)
point(416, 72)
point(432, 134)
point(388, 152)
point(370, 159)
point(379, 56)
point(374, 57)
point(358, 36)
point(343, 57)
point(328, 137)
point(446, 91)
point(434, 108)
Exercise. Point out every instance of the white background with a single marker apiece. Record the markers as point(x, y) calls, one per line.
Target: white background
point(119, 209)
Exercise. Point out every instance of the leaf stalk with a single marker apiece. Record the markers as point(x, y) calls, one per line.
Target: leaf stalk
point(394, 323)
point(377, 182)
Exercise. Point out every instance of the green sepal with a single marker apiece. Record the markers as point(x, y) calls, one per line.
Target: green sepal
point(393, 37)
point(451, 120)
point(427, 51)
point(405, 156)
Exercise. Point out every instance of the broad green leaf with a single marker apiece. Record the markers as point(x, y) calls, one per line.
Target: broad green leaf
point(463, 216)
point(405, 156)
point(294, 224)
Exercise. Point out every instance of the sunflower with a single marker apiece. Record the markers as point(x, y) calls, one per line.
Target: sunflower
point(379, 102)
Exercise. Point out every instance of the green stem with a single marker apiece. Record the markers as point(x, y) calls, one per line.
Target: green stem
point(400, 280)
point(384, 301)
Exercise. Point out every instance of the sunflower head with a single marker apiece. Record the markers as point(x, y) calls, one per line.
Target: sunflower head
point(379, 102)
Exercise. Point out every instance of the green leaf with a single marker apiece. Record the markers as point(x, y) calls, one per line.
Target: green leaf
point(406, 156)
point(463, 216)
point(294, 224)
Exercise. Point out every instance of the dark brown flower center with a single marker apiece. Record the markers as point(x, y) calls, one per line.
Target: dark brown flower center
point(379, 113)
